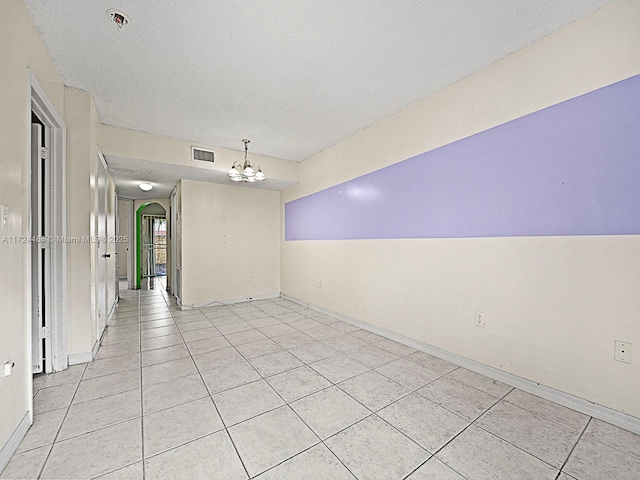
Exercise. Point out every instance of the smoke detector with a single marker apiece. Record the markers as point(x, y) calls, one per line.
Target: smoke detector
point(119, 18)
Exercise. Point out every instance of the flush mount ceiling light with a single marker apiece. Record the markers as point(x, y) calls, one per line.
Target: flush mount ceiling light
point(245, 172)
point(119, 18)
point(145, 186)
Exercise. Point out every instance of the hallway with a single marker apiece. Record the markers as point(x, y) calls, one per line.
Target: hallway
point(272, 390)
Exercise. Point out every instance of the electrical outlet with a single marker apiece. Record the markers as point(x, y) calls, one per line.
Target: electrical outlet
point(251, 278)
point(622, 352)
point(319, 283)
point(480, 319)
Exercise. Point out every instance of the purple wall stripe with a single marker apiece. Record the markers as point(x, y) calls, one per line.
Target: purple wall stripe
point(570, 169)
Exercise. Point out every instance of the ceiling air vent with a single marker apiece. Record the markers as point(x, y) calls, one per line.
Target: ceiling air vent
point(201, 155)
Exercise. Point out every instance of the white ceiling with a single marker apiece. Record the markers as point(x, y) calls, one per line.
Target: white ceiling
point(294, 76)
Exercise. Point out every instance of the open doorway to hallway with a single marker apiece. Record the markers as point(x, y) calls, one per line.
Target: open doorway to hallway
point(154, 246)
point(39, 251)
point(45, 258)
point(152, 249)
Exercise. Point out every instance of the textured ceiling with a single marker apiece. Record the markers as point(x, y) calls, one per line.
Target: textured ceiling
point(295, 76)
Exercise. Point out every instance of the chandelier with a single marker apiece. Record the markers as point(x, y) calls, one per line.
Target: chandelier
point(245, 172)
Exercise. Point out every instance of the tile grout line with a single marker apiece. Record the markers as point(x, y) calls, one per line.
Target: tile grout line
point(545, 417)
point(118, 423)
point(372, 412)
point(349, 395)
point(431, 458)
point(521, 448)
point(143, 460)
point(511, 443)
point(61, 424)
point(574, 447)
point(224, 424)
point(287, 404)
point(498, 400)
point(99, 398)
point(393, 426)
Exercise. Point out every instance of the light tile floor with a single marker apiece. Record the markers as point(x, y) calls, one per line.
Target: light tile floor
point(272, 390)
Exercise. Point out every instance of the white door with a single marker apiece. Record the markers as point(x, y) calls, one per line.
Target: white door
point(111, 261)
point(103, 251)
point(116, 234)
point(40, 248)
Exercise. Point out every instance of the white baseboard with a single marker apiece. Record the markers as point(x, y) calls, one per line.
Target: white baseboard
point(112, 311)
point(14, 441)
point(219, 303)
point(606, 414)
point(85, 357)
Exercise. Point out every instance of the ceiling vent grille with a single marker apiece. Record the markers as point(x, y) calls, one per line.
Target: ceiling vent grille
point(201, 155)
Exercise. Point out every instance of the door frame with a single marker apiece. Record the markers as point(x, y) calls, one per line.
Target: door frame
point(102, 309)
point(40, 249)
point(41, 105)
point(172, 233)
point(127, 205)
point(131, 245)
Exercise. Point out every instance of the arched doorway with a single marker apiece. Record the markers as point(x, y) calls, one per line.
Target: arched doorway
point(151, 242)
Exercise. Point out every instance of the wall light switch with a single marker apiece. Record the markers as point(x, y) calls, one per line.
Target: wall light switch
point(4, 216)
point(7, 368)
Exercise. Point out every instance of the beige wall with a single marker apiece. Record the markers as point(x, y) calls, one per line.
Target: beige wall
point(81, 159)
point(124, 206)
point(553, 305)
point(21, 48)
point(230, 242)
point(83, 135)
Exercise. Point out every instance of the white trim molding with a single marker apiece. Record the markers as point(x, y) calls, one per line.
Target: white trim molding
point(609, 415)
point(39, 102)
point(14, 441)
point(219, 303)
point(85, 357)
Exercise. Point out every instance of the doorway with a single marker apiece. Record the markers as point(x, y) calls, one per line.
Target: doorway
point(102, 243)
point(106, 243)
point(151, 243)
point(173, 240)
point(154, 246)
point(45, 259)
point(39, 246)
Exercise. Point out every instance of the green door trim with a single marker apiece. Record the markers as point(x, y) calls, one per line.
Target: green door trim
point(139, 240)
